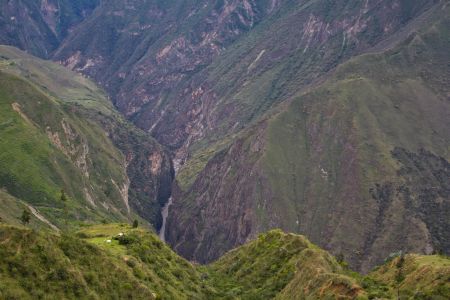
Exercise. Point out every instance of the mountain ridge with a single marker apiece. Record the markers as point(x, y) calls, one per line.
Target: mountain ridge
point(276, 265)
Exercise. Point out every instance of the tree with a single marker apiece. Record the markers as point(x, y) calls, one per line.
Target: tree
point(26, 217)
point(63, 197)
point(135, 224)
point(340, 258)
point(399, 277)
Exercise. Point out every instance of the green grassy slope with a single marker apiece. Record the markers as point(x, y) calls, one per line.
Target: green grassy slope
point(282, 266)
point(59, 131)
point(11, 210)
point(115, 261)
point(150, 260)
point(33, 168)
point(415, 276)
point(35, 266)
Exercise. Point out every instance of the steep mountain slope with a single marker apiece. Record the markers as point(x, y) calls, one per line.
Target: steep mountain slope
point(270, 123)
point(166, 42)
point(195, 70)
point(40, 26)
point(59, 131)
point(415, 276)
point(115, 261)
point(359, 164)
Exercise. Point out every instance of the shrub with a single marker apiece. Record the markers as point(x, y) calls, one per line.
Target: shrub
point(127, 239)
point(26, 217)
point(135, 224)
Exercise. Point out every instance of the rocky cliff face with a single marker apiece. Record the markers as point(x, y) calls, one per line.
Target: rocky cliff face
point(168, 81)
point(148, 166)
point(167, 44)
point(39, 26)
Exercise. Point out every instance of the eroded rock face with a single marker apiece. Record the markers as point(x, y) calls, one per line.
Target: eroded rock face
point(166, 45)
point(178, 78)
point(39, 26)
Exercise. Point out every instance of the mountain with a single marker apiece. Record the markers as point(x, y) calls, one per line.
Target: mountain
point(167, 42)
point(40, 26)
point(358, 162)
point(320, 117)
point(60, 132)
point(193, 72)
point(276, 265)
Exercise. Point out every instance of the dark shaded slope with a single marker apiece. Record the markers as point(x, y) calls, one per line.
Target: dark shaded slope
point(40, 26)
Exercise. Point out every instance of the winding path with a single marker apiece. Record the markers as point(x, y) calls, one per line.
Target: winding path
point(41, 217)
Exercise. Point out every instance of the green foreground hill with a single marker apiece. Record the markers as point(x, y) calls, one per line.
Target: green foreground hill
point(116, 261)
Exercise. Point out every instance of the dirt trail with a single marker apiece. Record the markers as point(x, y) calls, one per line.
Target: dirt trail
point(41, 217)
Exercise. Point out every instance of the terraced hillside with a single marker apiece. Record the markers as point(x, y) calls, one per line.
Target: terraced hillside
point(115, 261)
point(60, 132)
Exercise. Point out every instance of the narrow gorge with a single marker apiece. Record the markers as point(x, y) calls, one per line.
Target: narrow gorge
point(212, 122)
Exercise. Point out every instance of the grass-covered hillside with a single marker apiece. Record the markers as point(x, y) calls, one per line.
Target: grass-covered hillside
point(60, 133)
point(37, 266)
point(415, 276)
point(282, 266)
point(116, 261)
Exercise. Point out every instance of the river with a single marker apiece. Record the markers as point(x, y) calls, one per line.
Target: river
point(165, 213)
